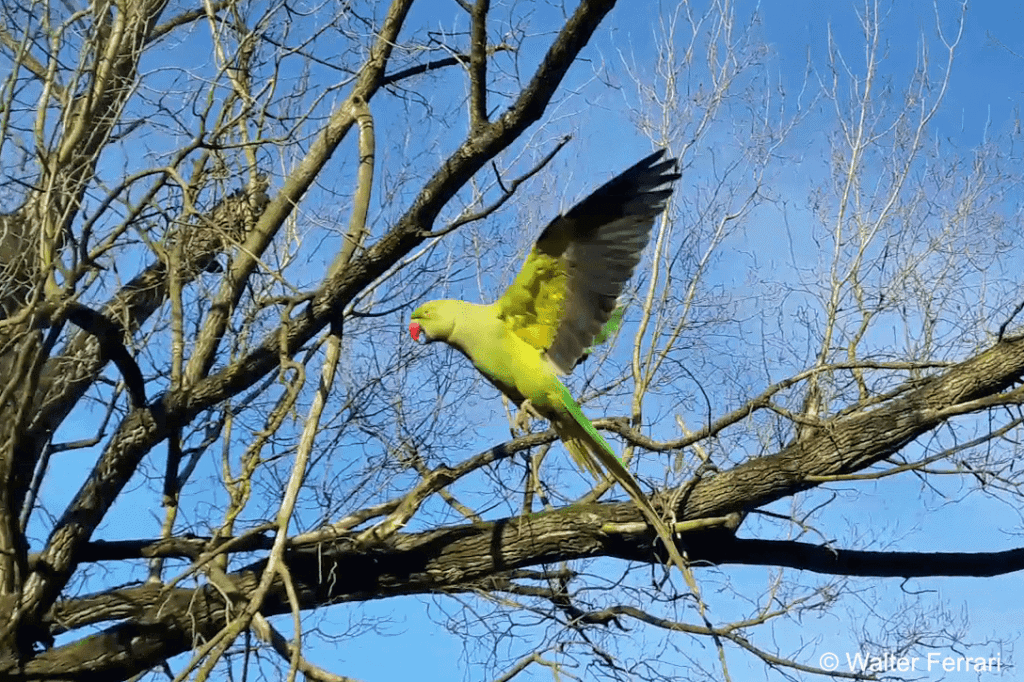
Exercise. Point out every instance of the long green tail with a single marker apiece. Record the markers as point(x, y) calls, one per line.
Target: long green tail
point(592, 452)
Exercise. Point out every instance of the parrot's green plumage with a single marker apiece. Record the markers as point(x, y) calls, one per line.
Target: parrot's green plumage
point(561, 302)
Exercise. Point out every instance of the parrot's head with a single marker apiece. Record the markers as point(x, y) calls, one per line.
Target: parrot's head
point(434, 320)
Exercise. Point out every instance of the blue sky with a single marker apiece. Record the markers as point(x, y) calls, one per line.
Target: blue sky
point(981, 104)
point(411, 638)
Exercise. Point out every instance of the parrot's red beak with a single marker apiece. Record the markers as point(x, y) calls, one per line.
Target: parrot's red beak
point(414, 331)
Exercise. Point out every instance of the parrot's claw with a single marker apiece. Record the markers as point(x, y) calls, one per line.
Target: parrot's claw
point(526, 411)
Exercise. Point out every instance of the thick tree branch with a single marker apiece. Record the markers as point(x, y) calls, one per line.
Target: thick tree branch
point(833, 561)
point(852, 443)
point(446, 560)
point(478, 66)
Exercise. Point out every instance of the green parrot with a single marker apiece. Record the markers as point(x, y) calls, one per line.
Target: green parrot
point(558, 305)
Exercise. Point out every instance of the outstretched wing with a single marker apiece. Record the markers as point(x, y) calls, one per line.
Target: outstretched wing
point(571, 281)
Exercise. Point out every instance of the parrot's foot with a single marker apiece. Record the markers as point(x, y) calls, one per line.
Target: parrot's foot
point(526, 411)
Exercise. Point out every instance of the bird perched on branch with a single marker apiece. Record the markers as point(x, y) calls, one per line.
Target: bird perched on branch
point(558, 304)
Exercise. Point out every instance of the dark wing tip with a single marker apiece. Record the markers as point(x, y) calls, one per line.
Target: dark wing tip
point(650, 171)
point(647, 164)
point(644, 181)
point(641, 190)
